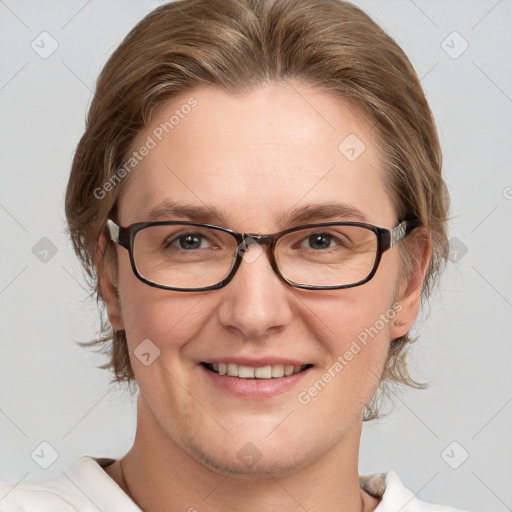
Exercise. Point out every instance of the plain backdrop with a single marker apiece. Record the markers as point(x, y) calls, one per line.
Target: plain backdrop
point(450, 443)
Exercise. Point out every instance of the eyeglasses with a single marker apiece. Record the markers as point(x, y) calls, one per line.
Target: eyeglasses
point(189, 256)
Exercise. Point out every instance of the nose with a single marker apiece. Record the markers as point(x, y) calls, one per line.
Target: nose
point(256, 302)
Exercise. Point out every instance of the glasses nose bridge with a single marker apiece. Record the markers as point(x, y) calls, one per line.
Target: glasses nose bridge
point(261, 240)
point(251, 238)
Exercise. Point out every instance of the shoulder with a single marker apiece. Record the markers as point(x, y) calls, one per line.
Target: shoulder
point(395, 496)
point(31, 497)
point(86, 487)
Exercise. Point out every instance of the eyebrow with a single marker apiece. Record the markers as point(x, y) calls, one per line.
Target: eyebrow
point(323, 212)
point(168, 209)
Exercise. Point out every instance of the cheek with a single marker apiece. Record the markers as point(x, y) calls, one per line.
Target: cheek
point(359, 334)
point(354, 325)
point(358, 345)
point(169, 319)
point(360, 313)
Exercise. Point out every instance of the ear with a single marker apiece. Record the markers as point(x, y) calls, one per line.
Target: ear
point(411, 285)
point(108, 285)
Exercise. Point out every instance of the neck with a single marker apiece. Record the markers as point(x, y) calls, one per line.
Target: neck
point(160, 476)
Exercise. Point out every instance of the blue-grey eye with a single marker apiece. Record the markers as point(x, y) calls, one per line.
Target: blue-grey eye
point(319, 241)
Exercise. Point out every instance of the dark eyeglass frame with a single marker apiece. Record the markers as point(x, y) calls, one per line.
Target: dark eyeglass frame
point(386, 238)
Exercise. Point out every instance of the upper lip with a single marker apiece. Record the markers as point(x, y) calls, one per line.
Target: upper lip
point(257, 362)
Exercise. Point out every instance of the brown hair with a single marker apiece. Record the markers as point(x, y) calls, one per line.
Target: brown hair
point(236, 45)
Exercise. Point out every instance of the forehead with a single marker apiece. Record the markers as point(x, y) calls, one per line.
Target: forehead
point(256, 157)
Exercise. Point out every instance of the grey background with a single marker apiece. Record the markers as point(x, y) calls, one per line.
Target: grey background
point(50, 388)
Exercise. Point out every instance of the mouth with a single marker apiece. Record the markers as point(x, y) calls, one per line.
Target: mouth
point(271, 371)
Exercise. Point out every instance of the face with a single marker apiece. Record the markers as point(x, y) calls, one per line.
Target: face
point(252, 162)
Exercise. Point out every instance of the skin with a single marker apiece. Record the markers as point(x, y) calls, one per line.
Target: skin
point(256, 157)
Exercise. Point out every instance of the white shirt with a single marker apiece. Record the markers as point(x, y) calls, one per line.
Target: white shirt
point(86, 487)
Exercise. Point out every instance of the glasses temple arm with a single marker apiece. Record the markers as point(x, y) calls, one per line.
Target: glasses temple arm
point(402, 230)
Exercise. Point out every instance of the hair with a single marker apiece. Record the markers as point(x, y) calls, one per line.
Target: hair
point(237, 45)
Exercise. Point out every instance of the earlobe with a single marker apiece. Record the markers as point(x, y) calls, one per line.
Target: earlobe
point(409, 294)
point(108, 285)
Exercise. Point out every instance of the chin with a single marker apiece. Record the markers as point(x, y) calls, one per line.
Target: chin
point(249, 461)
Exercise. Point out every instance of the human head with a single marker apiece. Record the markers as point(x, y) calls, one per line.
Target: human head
point(328, 44)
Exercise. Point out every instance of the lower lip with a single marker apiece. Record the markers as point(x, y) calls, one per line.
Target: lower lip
point(254, 388)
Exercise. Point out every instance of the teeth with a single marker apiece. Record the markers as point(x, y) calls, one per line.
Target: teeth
point(262, 372)
point(245, 372)
point(277, 370)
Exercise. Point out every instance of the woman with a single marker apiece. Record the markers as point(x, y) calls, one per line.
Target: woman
point(258, 201)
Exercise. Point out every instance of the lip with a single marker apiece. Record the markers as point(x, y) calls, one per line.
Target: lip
point(253, 389)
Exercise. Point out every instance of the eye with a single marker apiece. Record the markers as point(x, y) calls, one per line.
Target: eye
point(319, 241)
point(322, 241)
point(187, 242)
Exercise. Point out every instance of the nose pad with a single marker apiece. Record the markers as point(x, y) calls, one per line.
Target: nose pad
point(250, 249)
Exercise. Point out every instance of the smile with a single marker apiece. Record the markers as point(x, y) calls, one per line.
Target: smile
point(273, 371)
